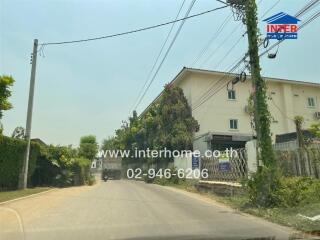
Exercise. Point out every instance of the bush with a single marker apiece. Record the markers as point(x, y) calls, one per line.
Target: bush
point(297, 191)
point(11, 161)
point(91, 180)
point(81, 171)
point(64, 178)
point(161, 181)
point(262, 187)
point(45, 171)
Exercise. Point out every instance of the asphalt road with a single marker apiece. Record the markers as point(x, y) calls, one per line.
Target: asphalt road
point(127, 210)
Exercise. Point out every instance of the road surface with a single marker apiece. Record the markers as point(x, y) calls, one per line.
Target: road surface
point(127, 210)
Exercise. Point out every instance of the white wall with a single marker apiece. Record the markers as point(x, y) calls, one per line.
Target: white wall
point(185, 163)
point(214, 115)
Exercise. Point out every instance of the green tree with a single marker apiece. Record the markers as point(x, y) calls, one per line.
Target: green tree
point(177, 125)
point(88, 147)
point(5, 83)
point(109, 144)
point(168, 123)
point(315, 129)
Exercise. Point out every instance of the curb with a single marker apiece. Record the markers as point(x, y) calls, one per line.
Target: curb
point(25, 197)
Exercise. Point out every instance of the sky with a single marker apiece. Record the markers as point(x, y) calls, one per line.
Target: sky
point(89, 88)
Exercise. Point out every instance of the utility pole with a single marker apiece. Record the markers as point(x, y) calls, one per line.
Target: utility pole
point(261, 113)
point(24, 175)
point(246, 10)
point(267, 178)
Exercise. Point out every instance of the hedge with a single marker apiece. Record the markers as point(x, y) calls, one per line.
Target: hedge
point(45, 166)
point(81, 170)
point(12, 152)
point(45, 171)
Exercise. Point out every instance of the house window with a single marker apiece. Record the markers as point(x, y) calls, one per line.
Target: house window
point(233, 124)
point(311, 102)
point(231, 94)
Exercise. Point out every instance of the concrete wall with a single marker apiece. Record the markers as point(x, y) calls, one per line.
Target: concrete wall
point(185, 163)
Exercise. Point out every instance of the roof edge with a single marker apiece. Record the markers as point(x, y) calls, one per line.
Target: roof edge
point(206, 71)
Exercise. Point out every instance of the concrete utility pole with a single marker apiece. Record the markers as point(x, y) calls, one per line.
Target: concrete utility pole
point(261, 113)
point(246, 10)
point(24, 175)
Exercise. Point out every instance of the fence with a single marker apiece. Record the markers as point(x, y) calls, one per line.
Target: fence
point(233, 168)
point(300, 162)
point(292, 162)
point(291, 145)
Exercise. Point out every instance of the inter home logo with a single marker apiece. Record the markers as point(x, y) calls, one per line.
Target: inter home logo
point(282, 26)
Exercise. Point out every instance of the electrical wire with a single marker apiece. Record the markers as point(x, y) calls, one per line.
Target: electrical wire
point(304, 10)
point(228, 52)
point(158, 56)
point(219, 46)
point(133, 31)
point(224, 41)
point(238, 40)
point(279, 109)
point(305, 23)
point(308, 7)
point(268, 10)
point(166, 54)
point(215, 35)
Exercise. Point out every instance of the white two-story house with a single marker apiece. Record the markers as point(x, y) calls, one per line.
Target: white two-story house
point(222, 113)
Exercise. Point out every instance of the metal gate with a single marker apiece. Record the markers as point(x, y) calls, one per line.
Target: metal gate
point(232, 169)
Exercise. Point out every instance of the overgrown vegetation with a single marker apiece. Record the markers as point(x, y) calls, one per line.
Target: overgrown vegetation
point(264, 183)
point(5, 83)
point(297, 199)
point(88, 147)
point(315, 129)
point(167, 123)
point(60, 166)
point(11, 159)
point(48, 165)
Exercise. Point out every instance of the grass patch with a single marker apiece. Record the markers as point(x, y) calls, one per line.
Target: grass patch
point(9, 195)
point(287, 216)
point(186, 184)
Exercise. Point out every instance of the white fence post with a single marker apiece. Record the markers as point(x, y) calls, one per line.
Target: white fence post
point(251, 157)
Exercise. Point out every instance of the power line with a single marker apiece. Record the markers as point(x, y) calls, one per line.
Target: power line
point(302, 11)
point(206, 96)
point(308, 7)
point(228, 52)
point(238, 40)
point(219, 46)
point(224, 41)
point(279, 109)
point(165, 55)
point(207, 92)
point(305, 23)
point(215, 35)
point(158, 56)
point(266, 12)
point(133, 31)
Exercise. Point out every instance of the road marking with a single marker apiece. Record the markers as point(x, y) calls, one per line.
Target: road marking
point(18, 217)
